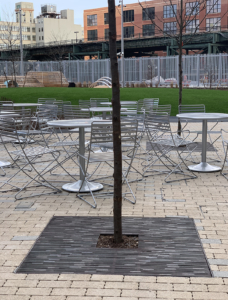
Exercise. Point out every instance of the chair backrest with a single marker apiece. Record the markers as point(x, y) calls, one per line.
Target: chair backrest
point(6, 105)
point(75, 112)
point(156, 122)
point(150, 101)
point(102, 132)
point(163, 108)
point(84, 103)
point(146, 104)
point(96, 102)
point(48, 113)
point(195, 108)
point(46, 100)
point(10, 126)
point(60, 104)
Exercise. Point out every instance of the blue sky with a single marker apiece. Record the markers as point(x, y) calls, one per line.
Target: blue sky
point(77, 6)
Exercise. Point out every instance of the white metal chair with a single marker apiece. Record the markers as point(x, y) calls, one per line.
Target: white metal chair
point(28, 158)
point(102, 135)
point(162, 142)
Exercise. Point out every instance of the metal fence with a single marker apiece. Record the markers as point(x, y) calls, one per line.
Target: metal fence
point(198, 70)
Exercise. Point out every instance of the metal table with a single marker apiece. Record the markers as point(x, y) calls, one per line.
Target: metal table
point(204, 117)
point(81, 124)
point(104, 110)
point(23, 105)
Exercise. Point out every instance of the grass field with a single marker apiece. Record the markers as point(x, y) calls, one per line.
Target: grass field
point(214, 100)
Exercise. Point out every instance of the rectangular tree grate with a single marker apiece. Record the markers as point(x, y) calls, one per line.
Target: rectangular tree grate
point(167, 247)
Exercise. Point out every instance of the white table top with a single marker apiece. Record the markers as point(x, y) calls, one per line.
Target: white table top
point(203, 116)
point(121, 102)
point(74, 123)
point(23, 104)
point(101, 109)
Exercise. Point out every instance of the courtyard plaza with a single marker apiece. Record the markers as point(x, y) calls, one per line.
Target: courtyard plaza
point(204, 199)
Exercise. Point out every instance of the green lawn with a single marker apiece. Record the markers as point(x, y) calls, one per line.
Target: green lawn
point(214, 100)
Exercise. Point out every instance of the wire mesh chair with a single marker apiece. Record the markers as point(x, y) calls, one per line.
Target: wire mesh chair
point(102, 134)
point(46, 100)
point(60, 104)
point(162, 142)
point(96, 102)
point(6, 105)
point(27, 155)
point(75, 112)
point(224, 136)
point(84, 103)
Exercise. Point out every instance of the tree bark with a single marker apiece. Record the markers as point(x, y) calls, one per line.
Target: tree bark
point(117, 198)
point(180, 63)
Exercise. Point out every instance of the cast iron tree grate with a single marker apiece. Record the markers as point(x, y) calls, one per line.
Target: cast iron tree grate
point(167, 247)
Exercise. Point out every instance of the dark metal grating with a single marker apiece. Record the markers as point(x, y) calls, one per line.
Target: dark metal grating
point(167, 247)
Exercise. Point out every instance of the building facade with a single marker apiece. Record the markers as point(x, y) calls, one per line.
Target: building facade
point(52, 26)
point(137, 19)
point(10, 30)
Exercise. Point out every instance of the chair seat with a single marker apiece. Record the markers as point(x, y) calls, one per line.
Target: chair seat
point(176, 141)
point(33, 151)
point(67, 143)
point(103, 157)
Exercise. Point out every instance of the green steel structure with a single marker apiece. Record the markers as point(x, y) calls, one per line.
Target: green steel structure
point(142, 46)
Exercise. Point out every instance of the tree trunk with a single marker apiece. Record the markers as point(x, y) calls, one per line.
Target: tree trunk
point(180, 63)
point(117, 198)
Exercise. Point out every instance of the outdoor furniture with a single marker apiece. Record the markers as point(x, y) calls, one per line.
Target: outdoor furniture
point(27, 158)
point(6, 106)
point(224, 135)
point(75, 112)
point(204, 117)
point(83, 103)
point(102, 109)
point(121, 102)
point(162, 143)
point(60, 104)
point(46, 100)
point(96, 102)
point(102, 135)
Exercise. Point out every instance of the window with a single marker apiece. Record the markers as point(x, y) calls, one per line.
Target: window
point(39, 29)
point(92, 35)
point(192, 8)
point(148, 30)
point(170, 28)
point(18, 6)
point(39, 38)
point(128, 16)
point(92, 20)
point(42, 29)
point(28, 29)
point(213, 6)
point(213, 24)
point(106, 33)
point(34, 38)
point(28, 37)
point(42, 38)
point(33, 29)
point(169, 11)
point(24, 19)
point(192, 25)
point(148, 13)
point(129, 31)
point(106, 18)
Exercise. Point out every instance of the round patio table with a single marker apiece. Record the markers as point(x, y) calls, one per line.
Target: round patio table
point(204, 117)
point(104, 110)
point(81, 124)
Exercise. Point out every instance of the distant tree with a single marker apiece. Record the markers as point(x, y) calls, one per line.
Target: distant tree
point(10, 38)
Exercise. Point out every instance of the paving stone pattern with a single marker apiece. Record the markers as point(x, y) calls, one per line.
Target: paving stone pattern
point(167, 247)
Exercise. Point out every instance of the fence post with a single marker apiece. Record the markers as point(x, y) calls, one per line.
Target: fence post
point(7, 68)
point(159, 70)
point(78, 71)
point(140, 69)
point(220, 69)
point(93, 71)
point(177, 72)
point(198, 70)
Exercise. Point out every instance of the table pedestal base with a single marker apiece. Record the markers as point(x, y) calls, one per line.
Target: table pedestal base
point(75, 186)
point(204, 167)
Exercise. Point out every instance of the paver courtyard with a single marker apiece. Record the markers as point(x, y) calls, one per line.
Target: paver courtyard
point(204, 199)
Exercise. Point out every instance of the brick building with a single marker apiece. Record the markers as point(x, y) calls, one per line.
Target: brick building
point(137, 19)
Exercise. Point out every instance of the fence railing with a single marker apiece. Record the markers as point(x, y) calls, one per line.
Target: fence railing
point(198, 70)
